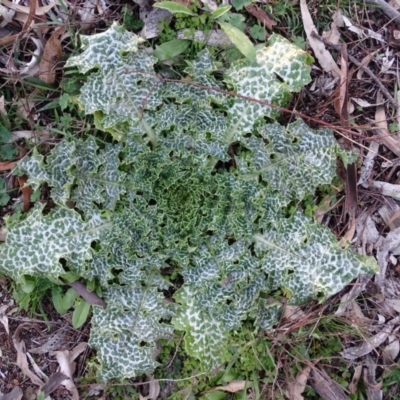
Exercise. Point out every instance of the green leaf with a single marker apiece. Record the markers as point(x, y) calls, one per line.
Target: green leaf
point(80, 314)
point(64, 100)
point(5, 134)
point(171, 49)
point(306, 259)
point(4, 197)
point(220, 11)
point(240, 40)
point(239, 4)
point(257, 32)
point(63, 302)
point(37, 83)
point(46, 239)
point(7, 152)
point(258, 80)
point(174, 8)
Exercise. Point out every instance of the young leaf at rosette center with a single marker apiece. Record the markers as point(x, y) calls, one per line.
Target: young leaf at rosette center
point(36, 245)
point(259, 80)
point(305, 259)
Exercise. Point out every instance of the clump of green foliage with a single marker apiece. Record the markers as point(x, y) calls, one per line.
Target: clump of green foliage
point(181, 219)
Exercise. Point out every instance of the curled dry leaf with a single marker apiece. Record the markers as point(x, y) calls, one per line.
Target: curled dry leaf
point(154, 389)
point(387, 189)
point(364, 62)
point(3, 235)
point(152, 21)
point(211, 4)
point(323, 56)
point(357, 288)
point(51, 56)
point(26, 192)
point(391, 350)
point(390, 141)
point(3, 110)
point(7, 15)
point(57, 341)
point(261, 15)
point(26, 10)
point(296, 388)
point(374, 391)
point(35, 136)
point(6, 166)
point(32, 67)
point(3, 317)
point(333, 35)
point(15, 394)
point(371, 343)
point(22, 360)
point(355, 379)
point(293, 313)
point(368, 164)
point(66, 359)
point(231, 387)
point(53, 383)
point(91, 297)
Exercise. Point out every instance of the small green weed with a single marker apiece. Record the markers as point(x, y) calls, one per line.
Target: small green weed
point(130, 20)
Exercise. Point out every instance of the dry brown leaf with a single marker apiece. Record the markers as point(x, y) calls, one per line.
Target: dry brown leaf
point(23, 9)
point(15, 394)
point(389, 140)
point(211, 4)
point(3, 235)
point(57, 341)
point(7, 16)
point(323, 56)
point(26, 192)
point(374, 391)
point(154, 389)
point(355, 379)
point(333, 35)
point(21, 17)
point(391, 350)
point(231, 387)
point(22, 361)
point(51, 56)
point(90, 297)
point(32, 67)
point(35, 136)
point(3, 317)
point(371, 343)
point(261, 15)
point(53, 383)
point(292, 313)
point(6, 165)
point(364, 62)
point(3, 110)
point(296, 388)
point(368, 164)
point(66, 359)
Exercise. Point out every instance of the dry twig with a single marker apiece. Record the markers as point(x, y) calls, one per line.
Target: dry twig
point(338, 48)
